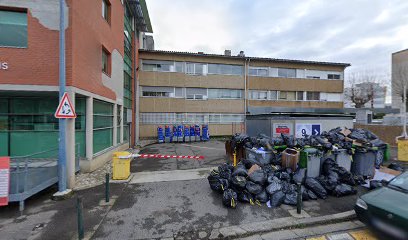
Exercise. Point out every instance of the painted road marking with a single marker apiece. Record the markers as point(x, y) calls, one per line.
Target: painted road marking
point(363, 235)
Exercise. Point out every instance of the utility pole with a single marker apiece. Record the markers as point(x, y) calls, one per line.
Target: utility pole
point(62, 157)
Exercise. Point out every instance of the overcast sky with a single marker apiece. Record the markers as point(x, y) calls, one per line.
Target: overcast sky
point(361, 32)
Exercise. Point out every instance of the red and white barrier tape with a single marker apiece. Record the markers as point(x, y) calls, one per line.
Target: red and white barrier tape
point(161, 156)
point(169, 156)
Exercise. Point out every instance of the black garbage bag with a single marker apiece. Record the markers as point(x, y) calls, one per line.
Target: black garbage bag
point(377, 143)
point(328, 165)
point(229, 198)
point(274, 186)
point(277, 199)
point(396, 167)
point(248, 163)
point(245, 196)
point(262, 197)
point(311, 194)
point(316, 187)
point(290, 198)
point(358, 134)
point(272, 178)
point(258, 176)
point(287, 187)
point(240, 170)
point(253, 187)
point(289, 141)
point(333, 176)
point(375, 184)
point(357, 179)
point(277, 141)
point(327, 183)
point(217, 183)
point(299, 176)
point(284, 176)
point(225, 171)
point(323, 142)
point(343, 190)
point(239, 182)
point(305, 196)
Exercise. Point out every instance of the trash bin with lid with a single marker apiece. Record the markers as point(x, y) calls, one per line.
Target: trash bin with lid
point(310, 159)
point(121, 165)
point(363, 162)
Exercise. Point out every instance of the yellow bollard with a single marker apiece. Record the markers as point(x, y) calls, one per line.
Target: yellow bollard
point(235, 159)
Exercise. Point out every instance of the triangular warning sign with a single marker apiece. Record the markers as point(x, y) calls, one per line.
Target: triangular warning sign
point(65, 108)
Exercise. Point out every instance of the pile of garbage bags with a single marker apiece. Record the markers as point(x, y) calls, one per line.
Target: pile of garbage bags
point(269, 173)
point(269, 184)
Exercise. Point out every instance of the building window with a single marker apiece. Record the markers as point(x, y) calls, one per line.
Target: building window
point(299, 96)
point(105, 61)
point(333, 76)
point(103, 125)
point(224, 69)
point(13, 29)
point(313, 96)
point(288, 96)
point(258, 95)
point(194, 68)
point(157, 91)
point(106, 10)
point(286, 72)
point(224, 94)
point(196, 93)
point(158, 66)
point(179, 67)
point(273, 95)
point(261, 72)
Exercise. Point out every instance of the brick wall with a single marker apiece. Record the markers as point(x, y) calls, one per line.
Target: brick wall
point(385, 133)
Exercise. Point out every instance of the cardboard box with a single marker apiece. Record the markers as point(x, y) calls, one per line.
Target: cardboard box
point(389, 171)
point(253, 169)
point(290, 158)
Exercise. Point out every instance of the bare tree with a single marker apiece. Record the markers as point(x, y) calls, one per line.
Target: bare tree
point(399, 80)
point(363, 87)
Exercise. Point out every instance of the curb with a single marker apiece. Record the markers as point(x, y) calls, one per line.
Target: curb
point(246, 230)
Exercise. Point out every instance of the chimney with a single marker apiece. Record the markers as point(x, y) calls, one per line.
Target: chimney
point(227, 52)
point(241, 54)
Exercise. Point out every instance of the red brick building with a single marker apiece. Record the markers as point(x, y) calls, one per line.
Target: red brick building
point(102, 40)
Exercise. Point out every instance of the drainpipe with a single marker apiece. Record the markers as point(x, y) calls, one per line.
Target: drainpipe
point(245, 92)
point(136, 88)
point(246, 89)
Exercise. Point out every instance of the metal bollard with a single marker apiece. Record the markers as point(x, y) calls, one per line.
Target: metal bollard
point(80, 218)
point(299, 198)
point(107, 187)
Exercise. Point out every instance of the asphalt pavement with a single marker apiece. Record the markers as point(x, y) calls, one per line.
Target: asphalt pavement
point(154, 204)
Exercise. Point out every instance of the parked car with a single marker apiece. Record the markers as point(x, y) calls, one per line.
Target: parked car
point(385, 209)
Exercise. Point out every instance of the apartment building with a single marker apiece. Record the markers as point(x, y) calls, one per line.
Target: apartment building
point(399, 77)
point(102, 41)
point(220, 90)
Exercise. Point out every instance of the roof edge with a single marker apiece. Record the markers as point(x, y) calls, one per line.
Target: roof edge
point(247, 58)
point(146, 16)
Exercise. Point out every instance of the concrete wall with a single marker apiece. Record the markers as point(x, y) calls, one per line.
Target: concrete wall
point(385, 133)
point(295, 84)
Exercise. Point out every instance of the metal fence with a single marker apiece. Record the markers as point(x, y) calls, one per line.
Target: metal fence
point(33, 173)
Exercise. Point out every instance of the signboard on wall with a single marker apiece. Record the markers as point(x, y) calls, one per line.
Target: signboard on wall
point(303, 129)
point(285, 128)
point(3, 65)
point(4, 180)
